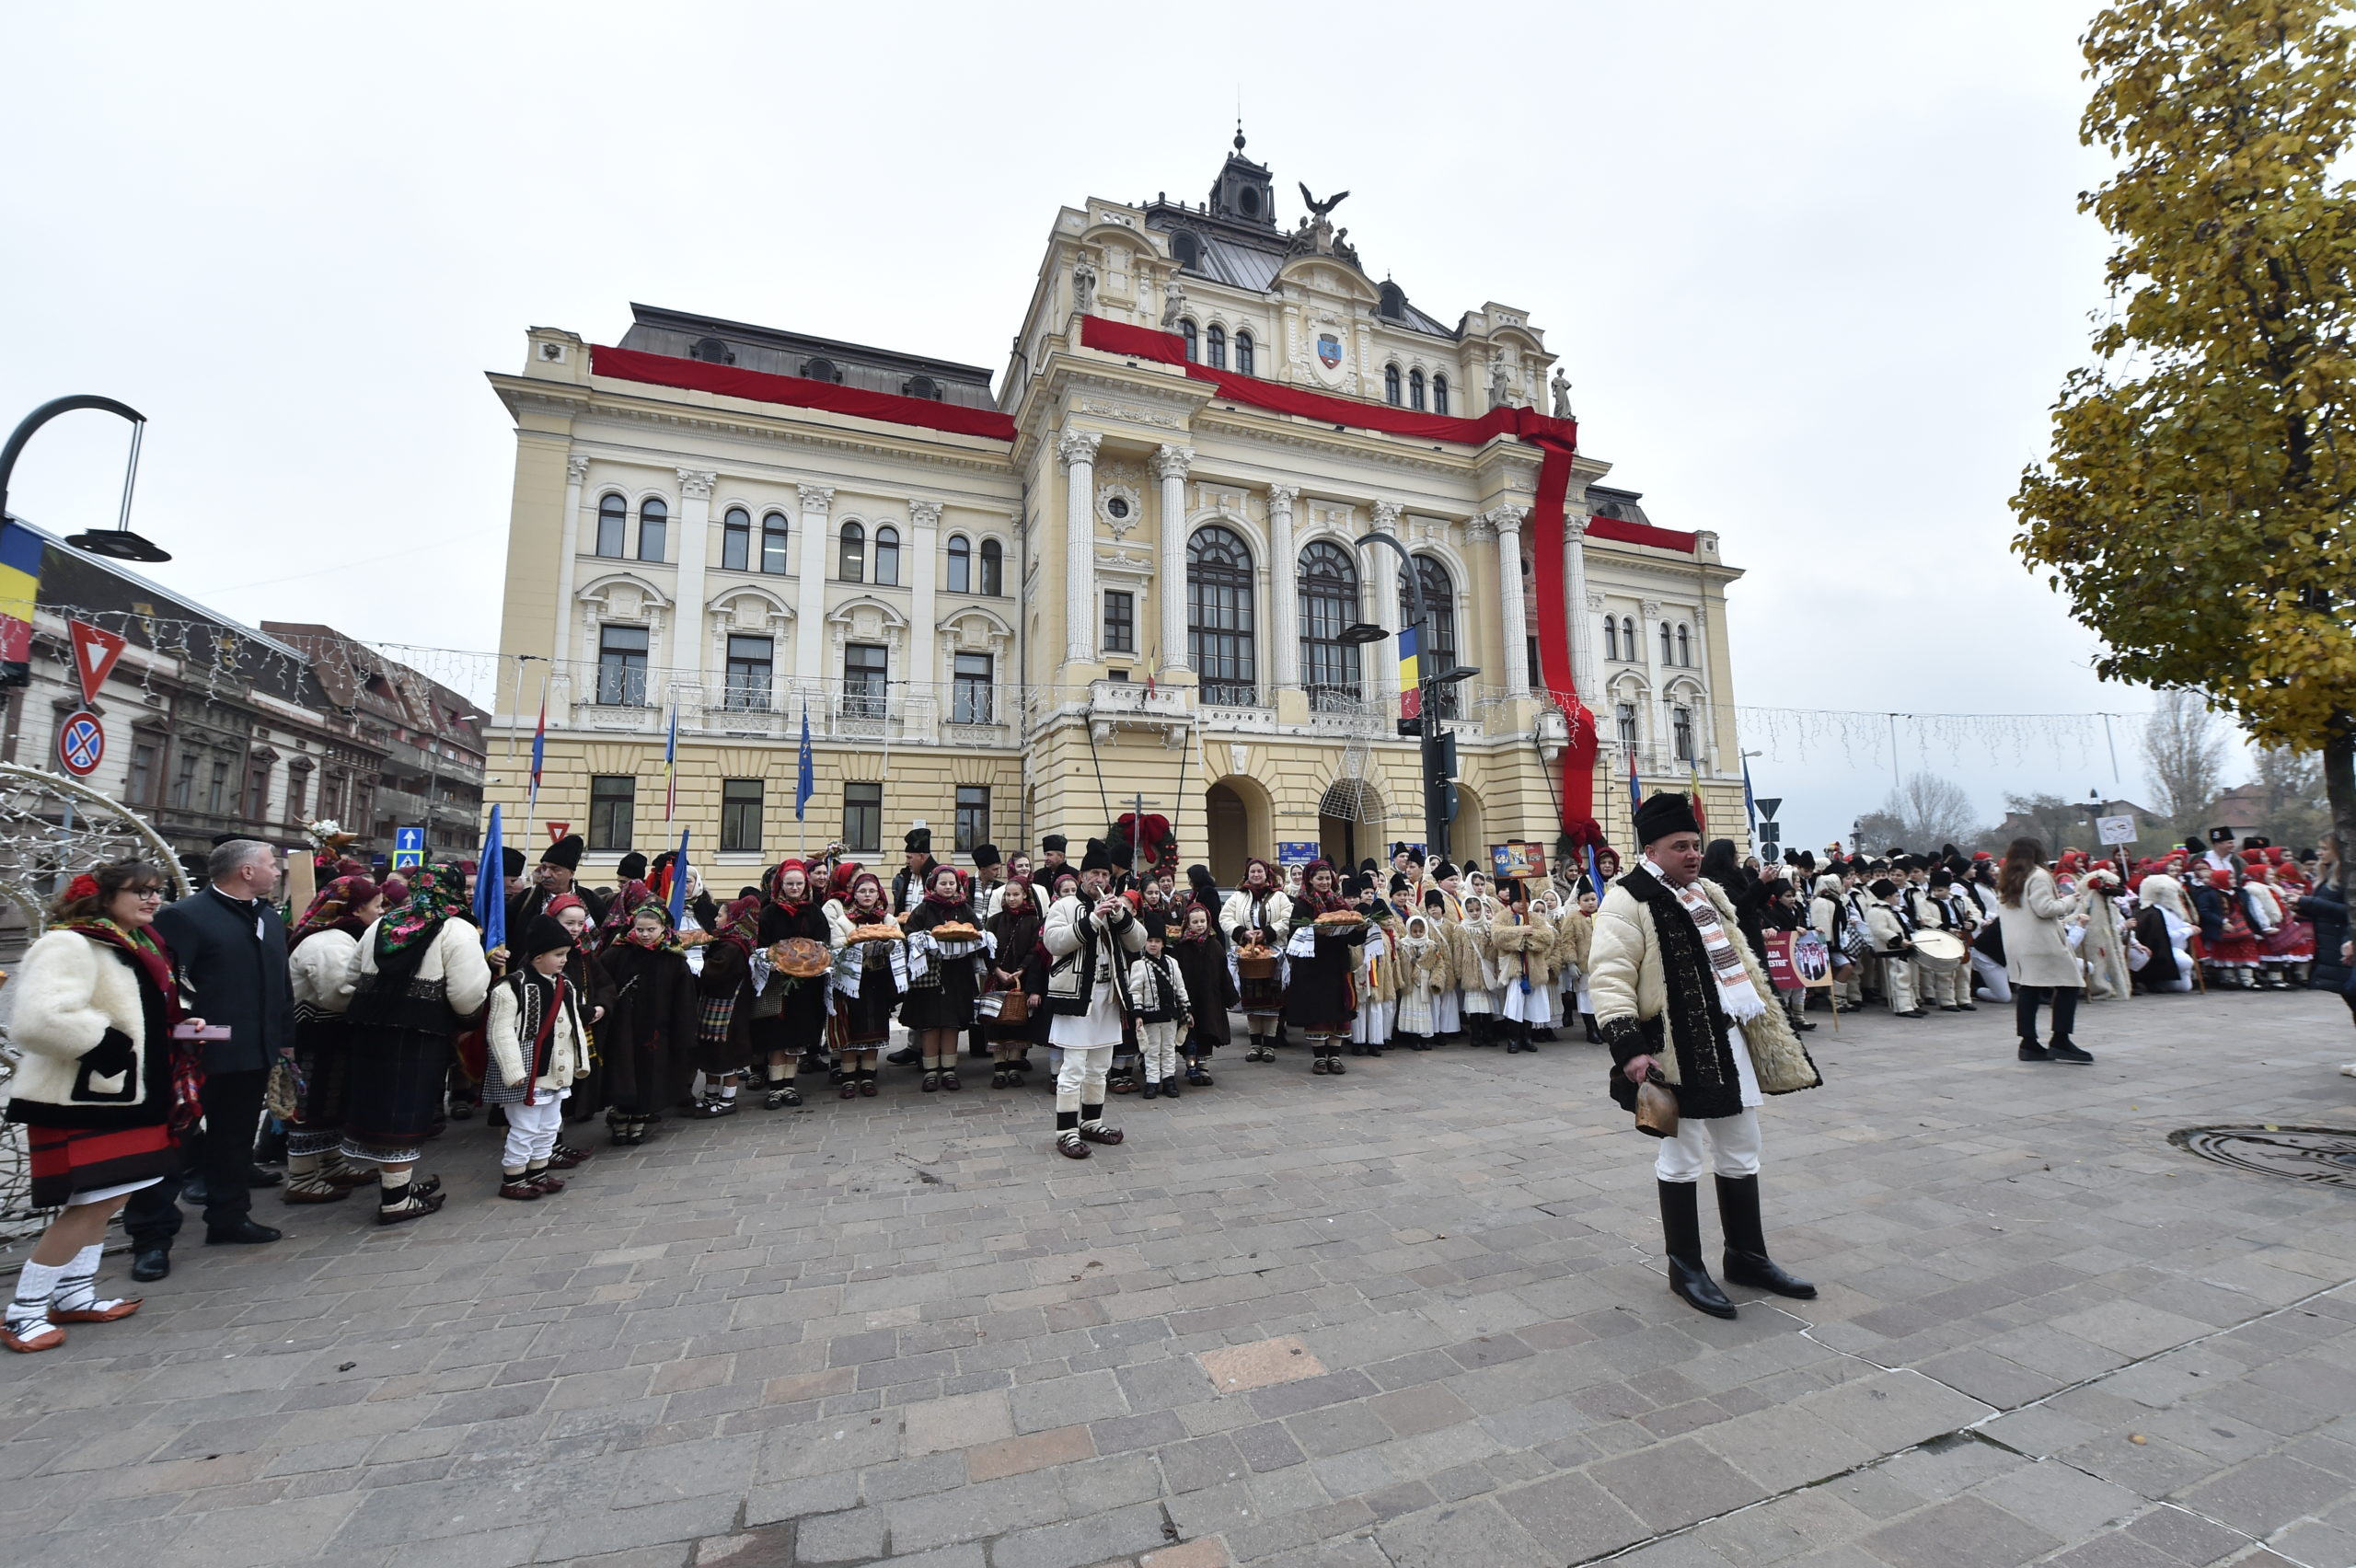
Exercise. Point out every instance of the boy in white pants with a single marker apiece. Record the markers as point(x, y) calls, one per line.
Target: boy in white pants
point(537, 1048)
point(1159, 1007)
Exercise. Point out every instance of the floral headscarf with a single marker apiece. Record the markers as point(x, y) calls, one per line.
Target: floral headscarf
point(332, 909)
point(740, 924)
point(436, 893)
point(626, 903)
point(1320, 902)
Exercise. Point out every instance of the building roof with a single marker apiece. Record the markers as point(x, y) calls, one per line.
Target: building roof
point(360, 680)
point(685, 335)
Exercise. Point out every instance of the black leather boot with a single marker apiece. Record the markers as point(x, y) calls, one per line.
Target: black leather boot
point(1680, 1224)
point(1746, 1260)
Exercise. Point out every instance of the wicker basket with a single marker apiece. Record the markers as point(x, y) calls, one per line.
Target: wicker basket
point(1257, 963)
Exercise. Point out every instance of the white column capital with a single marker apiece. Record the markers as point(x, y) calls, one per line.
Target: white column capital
point(576, 469)
point(1479, 528)
point(1077, 447)
point(1507, 519)
point(925, 513)
point(1651, 608)
point(1386, 515)
point(695, 484)
point(816, 499)
point(1280, 499)
point(1574, 524)
point(1171, 462)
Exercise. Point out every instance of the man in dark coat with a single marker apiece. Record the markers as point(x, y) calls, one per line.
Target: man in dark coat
point(909, 884)
point(229, 947)
point(558, 865)
point(1052, 860)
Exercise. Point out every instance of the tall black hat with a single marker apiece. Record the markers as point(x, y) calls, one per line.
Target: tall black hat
point(565, 852)
point(1663, 814)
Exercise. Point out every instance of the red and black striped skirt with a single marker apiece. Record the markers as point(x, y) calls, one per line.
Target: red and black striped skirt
point(70, 1161)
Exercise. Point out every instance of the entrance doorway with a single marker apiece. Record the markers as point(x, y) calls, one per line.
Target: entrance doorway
point(1229, 828)
point(1349, 822)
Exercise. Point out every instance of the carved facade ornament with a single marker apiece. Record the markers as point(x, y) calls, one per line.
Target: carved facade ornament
point(1119, 508)
point(1561, 386)
point(1508, 518)
point(1479, 528)
point(695, 484)
point(1575, 524)
point(925, 513)
point(1652, 609)
point(1083, 287)
point(1385, 512)
point(1281, 497)
point(1132, 416)
point(1172, 462)
point(1078, 446)
point(1595, 602)
point(576, 469)
point(816, 499)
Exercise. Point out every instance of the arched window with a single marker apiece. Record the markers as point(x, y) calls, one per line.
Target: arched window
point(654, 522)
point(1217, 341)
point(1610, 638)
point(613, 525)
point(1391, 384)
point(851, 559)
point(1244, 357)
point(1219, 616)
point(1664, 644)
point(736, 540)
point(773, 542)
point(961, 565)
point(1680, 732)
point(993, 568)
point(1440, 608)
point(1329, 602)
point(1186, 330)
point(1440, 394)
point(887, 556)
point(1684, 649)
point(1414, 389)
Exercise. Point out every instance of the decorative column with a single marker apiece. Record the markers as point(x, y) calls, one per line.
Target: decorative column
point(809, 604)
point(1078, 450)
point(1380, 683)
point(1509, 521)
point(1171, 465)
point(576, 470)
point(1284, 606)
point(1658, 703)
point(694, 529)
point(1578, 611)
point(924, 637)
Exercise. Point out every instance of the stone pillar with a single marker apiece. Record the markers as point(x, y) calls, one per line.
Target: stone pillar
point(1078, 450)
point(1578, 611)
point(1284, 594)
point(1171, 465)
point(930, 687)
point(809, 604)
point(1509, 521)
point(695, 537)
point(1657, 704)
point(576, 470)
point(1378, 662)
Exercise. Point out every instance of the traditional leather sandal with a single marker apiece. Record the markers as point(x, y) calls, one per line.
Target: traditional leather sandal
point(1068, 1143)
point(110, 1312)
point(417, 1205)
point(46, 1335)
point(564, 1156)
point(522, 1190)
point(1099, 1132)
point(314, 1189)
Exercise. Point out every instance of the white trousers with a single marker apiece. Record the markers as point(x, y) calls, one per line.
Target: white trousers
point(1994, 984)
point(1158, 1042)
point(1729, 1145)
point(1080, 1080)
point(1898, 984)
point(532, 1130)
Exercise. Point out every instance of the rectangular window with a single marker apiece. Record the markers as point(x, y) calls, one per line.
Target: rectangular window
point(740, 813)
point(216, 793)
point(863, 818)
point(140, 790)
point(970, 699)
point(866, 671)
point(621, 666)
point(1120, 623)
point(257, 791)
point(749, 662)
point(972, 817)
point(654, 523)
point(1680, 730)
point(298, 785)
point(1624, 716)
point(613, 810)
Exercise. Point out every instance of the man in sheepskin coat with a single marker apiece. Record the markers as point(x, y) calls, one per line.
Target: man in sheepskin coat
point(1682, 1002)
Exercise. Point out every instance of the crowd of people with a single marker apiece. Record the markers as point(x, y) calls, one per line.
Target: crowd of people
point(156, 1036)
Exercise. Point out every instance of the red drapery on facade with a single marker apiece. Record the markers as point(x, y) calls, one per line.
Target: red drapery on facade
point(796, 391)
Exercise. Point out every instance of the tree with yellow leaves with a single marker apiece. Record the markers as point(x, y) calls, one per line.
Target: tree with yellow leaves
point(2195, 506)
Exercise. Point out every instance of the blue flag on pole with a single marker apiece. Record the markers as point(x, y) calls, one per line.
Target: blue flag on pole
point(1635, 791)
point(679, 883)
point(1594, 871)
point(806, 784)
point(491, 886)
point(1749, 804)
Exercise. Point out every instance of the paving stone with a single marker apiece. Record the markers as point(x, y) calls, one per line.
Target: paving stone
point(1964, 1532)
point(1674, 1485)
point(1459, 1534)
point(964, 1422)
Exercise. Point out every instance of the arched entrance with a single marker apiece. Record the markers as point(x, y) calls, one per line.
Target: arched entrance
point(1350, 816)
point(1466, 838)
point(1237, 824)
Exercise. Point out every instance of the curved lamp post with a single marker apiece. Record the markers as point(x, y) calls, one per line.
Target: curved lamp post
point(1436, 749)
point(118, 541)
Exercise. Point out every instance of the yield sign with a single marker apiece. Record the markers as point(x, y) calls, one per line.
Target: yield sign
point(95, 652)
point(557, 830)
point(1767, 806)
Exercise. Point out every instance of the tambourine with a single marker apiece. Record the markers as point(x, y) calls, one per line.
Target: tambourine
point(799, 957)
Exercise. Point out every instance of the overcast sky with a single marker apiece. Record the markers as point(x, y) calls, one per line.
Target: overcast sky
point(1816, 271)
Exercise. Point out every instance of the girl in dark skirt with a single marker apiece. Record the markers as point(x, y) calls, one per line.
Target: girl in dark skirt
point(724, 1000)
point(790, 1019)
point(1200, 953)
point(319, 970)
point(1320, 995)
point(1015, 931)
point(95, 1089)
point(649, 1035)
point(870, 962)
point(944, 977)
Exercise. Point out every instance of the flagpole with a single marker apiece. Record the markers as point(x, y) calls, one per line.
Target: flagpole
point(532, 802)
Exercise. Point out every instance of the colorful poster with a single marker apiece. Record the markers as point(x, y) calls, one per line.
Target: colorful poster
point(1781, 973)
point(1290, 852)
point(20, 553)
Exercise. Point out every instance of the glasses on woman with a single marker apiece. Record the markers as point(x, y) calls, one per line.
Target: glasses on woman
point(146, 892)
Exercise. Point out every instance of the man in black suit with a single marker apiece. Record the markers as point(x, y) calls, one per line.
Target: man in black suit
point(229, 948)
point(558, 864)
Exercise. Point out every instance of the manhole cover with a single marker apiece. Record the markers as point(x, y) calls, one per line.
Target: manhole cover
point(2302, 1154)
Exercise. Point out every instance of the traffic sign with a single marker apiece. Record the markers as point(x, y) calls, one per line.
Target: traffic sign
point(408, 848)
point(1767, 804)
point(81, 742)
point(557, 830)
point(1772, 832)
point(95, 652)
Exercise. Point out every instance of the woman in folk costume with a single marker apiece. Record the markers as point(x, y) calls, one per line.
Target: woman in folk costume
point(1321, 993)
point(1425, 975)
point(1201, 953)
point(1685, 1006)
point(535, 1047)
point(1259, 913)
point(320, 972)
point(944, 976)
point(871, 967)
point(1476, 970)
point(1378, 973)
point(1014, 935)
point(2267, 916)
point(97, 1088)
point(724, 1000)
point(1089, 938)
point(2291, 948)
point(789, 1013)
point(2103, 947)
point(594, 994)
point(2229, 943)
point(649, 1039)
point(417, 976)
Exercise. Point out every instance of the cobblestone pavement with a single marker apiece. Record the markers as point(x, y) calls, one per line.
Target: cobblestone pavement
point(1407, 1318)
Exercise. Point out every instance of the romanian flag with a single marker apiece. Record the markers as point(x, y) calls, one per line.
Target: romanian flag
point(1411, 688)
point(20, 550)
point(1693, 789)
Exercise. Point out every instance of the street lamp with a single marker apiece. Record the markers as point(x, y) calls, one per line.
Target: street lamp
point(1439, 750)
point(119, 541)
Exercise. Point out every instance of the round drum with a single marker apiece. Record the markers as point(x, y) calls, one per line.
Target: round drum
point(1939, 951)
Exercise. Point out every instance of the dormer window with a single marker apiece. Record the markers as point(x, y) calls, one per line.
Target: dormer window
point(1186, 248)
point(1393, 302)
point(821, 370)
point(1247, 201)
point(713, 352)
point(921, 387)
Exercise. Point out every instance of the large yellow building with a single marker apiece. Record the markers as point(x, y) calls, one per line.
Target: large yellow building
point(1011, 611)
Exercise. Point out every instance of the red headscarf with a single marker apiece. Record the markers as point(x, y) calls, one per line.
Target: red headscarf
point(776, 886)
point(1320, 902)
point(2221, 878)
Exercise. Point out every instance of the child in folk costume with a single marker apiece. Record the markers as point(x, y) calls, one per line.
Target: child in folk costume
point(1545, 907)
point(724, 998)
point(536, 1046)
point(1202, 962)
point(648, 1038)
point(1476, 970)
point(2267, 916)
point(593, 991)
point(1014, 933)
point(789, 1010)
point(1091, 937)
point(1425, 976)
point(1574, 937)
point(1893, 940)
point(944, 977)
point(1259, 913)
point(1525, 967)
point(1158, 1012)
point(1378, 978)
point(1320, 991)
point(871, 968)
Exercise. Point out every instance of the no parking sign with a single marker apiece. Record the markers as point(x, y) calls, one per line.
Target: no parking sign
point(81, 742)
